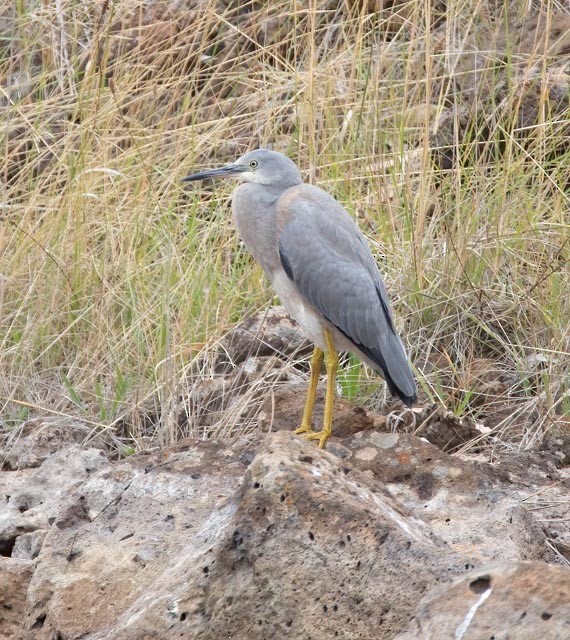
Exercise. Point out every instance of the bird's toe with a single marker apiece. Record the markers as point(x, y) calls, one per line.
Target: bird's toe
point(304, 429)
point(322, 436)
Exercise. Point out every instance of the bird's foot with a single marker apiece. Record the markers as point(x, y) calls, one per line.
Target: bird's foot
point(322, 436)
point(304, 429)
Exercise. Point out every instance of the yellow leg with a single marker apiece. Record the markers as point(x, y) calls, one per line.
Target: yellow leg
point(332, 365)
point(316, 362)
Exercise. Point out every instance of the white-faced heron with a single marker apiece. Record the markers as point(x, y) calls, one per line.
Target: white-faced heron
point(322, 270)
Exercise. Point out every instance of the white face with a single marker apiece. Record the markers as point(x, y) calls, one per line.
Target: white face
point(254, 171)
point(267, 168)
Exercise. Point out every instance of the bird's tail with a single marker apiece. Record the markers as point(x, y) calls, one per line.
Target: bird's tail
point(393, 365)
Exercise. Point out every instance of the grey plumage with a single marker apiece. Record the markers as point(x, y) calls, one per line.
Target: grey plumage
point(328, 259)
point(318, 262)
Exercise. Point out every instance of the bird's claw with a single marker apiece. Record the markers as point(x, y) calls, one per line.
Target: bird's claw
point(322, 436)
point(304, 430)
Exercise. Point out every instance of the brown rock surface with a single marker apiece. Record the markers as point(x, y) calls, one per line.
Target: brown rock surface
point(285, 408)
point(30, 499)
point(127, 554)
point(15, 576)
point(41, 437)
point(270, 333)
point(505, 601)
point(194, 542)
point(305, 544)
point(470, 505)
point(487, 91)
point(282, 539)
point(313, 544)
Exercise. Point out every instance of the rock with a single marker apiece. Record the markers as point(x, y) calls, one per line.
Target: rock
point(525, 600)
point(488, 94)
point(31, 498)
point(131, 543)
point(559, 443)
point(537, 34)
point(226, 404)
point(41, 437)
point(300, 543)
point(476, 383)
point(444, 429)
point(283, 410)
point(247, 365)
point(272, 332)
point(302, 546)
point(469, 505)
point(310, 546)
point(280, 540)
point(15, 576)
point(28, 545)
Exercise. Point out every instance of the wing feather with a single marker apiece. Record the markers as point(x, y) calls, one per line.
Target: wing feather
point(324, 253)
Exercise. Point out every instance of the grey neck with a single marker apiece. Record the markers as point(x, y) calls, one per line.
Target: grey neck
point(253, 209)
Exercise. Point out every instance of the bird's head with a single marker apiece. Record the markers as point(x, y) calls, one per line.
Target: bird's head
point(264, 167)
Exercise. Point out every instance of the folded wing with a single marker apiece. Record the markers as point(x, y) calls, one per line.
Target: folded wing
point(324, 253)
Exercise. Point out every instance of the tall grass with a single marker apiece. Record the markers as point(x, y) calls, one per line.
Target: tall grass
point(116, 281)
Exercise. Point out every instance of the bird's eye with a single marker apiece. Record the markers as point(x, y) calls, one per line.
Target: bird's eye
point(253, 164)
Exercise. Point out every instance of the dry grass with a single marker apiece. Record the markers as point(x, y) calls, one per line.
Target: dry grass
point(117, 283)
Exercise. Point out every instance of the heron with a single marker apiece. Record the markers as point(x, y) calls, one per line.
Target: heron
point(323, 271)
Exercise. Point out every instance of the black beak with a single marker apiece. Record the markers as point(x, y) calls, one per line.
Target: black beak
point(229, 171)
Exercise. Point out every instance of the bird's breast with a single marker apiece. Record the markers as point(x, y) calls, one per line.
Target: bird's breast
point(306, 316)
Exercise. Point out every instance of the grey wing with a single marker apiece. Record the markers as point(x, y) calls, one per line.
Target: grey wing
point(328, 259)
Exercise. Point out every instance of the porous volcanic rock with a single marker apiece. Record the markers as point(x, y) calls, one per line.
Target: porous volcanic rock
point(31, 498)
point(195, 542)
point(306, 544)
point(284, 409)
point(281, 540)
point(39, 438)
point(471, 505)
point(504, 601)
point(272, 332)
point(126, 556)
point(315, 547)
point(15, 576)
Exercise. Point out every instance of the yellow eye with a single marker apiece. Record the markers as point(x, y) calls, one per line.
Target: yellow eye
point(253, 164)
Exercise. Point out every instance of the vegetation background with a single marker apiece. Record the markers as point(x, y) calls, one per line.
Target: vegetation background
point(443, 127)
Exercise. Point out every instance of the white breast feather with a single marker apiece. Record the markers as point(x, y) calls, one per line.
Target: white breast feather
point(301, 311)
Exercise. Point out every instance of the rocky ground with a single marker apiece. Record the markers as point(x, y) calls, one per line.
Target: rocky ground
point(408, 526)
point(383, 535)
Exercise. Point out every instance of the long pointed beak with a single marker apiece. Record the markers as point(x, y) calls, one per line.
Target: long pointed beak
point(229, 171)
